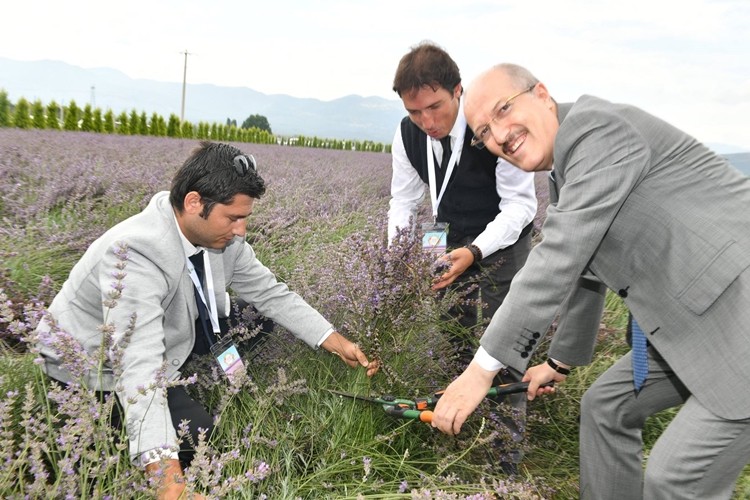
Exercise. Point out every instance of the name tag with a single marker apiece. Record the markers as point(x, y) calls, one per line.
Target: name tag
point(225, 353)
point(435, 237)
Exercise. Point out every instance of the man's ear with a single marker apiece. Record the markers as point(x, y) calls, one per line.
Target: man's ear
point(193, 203)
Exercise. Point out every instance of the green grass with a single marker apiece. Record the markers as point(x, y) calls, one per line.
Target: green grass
point(316, 444)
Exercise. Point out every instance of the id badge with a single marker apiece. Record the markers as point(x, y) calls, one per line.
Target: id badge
point(435, 237)
point(226, 354)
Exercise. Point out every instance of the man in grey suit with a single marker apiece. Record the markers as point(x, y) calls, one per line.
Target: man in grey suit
point(205, 215)
point(645, 210)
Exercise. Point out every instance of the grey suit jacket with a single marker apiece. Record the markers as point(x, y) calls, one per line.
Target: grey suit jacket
point(662, 221)
point(158, 290)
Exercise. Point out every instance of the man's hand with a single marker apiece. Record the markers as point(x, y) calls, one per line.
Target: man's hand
point(460, 260)
point(461, 398)
point(349, 352)
point(170, 483)
point(538, 375)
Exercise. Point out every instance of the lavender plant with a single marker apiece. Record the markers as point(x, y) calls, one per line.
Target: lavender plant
point(279, 432)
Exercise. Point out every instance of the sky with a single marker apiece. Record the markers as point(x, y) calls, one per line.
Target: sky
point(686, 61)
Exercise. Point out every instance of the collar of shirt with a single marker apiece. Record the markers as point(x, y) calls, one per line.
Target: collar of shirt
point(187, 247)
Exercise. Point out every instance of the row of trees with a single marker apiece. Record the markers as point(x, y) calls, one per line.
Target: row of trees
point(25, 115)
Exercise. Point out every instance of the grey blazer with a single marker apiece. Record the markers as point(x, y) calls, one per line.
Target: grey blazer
point(659, 219)
point(158, 290)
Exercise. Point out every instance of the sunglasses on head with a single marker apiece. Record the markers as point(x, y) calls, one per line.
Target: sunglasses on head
point(244, 163)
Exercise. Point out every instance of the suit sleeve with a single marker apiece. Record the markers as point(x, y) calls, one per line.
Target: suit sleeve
point(600, 159)
point(139, 390)
point(580, 316)
point(257, 285)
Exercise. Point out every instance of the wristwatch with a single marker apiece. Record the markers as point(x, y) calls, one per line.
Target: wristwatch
point(559, 369)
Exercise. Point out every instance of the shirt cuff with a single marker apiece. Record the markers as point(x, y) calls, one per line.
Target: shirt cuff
point(325, 336)
point(486, 361)
point(156, 455)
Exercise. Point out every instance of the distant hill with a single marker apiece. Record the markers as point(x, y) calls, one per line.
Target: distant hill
point(741, 161)
point(350, 117)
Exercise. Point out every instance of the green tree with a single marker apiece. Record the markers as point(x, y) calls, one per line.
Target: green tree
point(53, 115)
point(123, 126)
point(87, 123)
point(4, 109)
point(143, 124)
point(173, 126)
point(202, 130)
point(71, 113)
point(98, 125)
point(133, 122)
point(153, 128)
point(21, 118)
point(186, 130)
point(37, 111)
point(257, 121)
point(161, 126)
point(109, 122)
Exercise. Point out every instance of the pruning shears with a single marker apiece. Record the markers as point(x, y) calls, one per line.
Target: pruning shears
point(421, 408)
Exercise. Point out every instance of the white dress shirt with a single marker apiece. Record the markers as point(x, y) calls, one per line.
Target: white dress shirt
point(514, 186)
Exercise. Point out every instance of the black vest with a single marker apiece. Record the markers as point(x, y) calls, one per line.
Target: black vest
point(470, 201)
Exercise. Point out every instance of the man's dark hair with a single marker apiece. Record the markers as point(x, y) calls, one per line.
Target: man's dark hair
point(211, 171)
point(426, 64)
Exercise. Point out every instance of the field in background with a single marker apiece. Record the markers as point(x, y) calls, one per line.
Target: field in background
point(321, 228)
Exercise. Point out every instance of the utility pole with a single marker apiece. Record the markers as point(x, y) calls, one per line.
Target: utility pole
point(93, 97)
point(184, 80)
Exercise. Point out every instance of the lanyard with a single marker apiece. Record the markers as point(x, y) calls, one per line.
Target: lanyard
point(434, 197)
point(211, 305)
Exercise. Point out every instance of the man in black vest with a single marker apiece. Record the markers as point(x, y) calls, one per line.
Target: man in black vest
point(488, 204)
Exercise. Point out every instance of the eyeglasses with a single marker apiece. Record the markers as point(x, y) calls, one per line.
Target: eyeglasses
point(498, 112)
point(243, 163)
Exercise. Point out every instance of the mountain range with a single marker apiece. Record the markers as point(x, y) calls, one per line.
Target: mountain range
point(349, 117)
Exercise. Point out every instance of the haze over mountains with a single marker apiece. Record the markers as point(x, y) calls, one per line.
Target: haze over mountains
point(349, 117)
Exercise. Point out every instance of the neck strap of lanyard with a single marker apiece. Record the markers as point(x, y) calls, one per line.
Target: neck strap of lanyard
point(434, 197)
point(211, 304)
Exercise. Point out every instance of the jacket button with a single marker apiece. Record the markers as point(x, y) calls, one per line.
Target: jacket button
point(524, 354)
point(176, 362)
point(623, 292)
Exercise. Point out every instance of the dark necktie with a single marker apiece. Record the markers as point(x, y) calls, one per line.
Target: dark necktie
point(202, 343)
point(554, 192)
point(446, 143)
point(639, 356)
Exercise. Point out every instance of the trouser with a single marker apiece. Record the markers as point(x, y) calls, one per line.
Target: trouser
point(698, 456)
point(181, 405)
point(494, 275)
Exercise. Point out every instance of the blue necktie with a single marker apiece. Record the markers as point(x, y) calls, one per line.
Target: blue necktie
point(639, 356)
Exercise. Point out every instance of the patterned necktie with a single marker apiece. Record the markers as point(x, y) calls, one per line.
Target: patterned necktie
point(446, 143)
point(639, 356)
point(202, 346)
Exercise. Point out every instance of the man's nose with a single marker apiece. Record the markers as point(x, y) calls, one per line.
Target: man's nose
point(428, 120)
point(498, 132)
point(240, 228)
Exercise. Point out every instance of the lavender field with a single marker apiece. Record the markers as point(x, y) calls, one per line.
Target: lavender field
point(280, 433)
